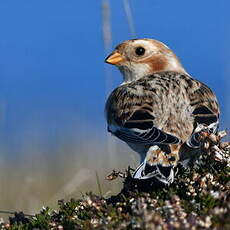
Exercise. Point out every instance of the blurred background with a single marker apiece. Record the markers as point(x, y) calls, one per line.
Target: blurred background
point(54, 83)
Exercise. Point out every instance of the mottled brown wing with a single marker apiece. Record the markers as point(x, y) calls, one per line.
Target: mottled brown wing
point(205, 111)
point(131, 117)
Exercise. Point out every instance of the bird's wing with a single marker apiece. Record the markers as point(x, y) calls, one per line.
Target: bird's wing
point(136, 112)
point(140, 129)
point(205, 111)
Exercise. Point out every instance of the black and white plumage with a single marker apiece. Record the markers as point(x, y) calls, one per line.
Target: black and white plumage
point(159, 110)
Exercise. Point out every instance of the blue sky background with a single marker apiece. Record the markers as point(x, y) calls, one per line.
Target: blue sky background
point(52, 75)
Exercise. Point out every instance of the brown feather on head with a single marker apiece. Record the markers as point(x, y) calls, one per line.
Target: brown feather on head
point(139, 57)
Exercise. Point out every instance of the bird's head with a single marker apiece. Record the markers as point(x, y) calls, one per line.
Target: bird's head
point(140, 57)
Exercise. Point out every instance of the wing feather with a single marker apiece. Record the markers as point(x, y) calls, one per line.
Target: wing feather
point(205, 111)
point(143, 131)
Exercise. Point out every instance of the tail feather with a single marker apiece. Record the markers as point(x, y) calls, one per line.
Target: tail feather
point(158, 164)
point(161, 173)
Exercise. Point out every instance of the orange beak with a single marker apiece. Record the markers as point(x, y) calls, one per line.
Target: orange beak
point(114, 58)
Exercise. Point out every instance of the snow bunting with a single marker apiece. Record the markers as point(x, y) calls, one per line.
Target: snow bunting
point(159, 110)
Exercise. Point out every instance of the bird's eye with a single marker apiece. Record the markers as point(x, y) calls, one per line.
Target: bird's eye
point(140, 51)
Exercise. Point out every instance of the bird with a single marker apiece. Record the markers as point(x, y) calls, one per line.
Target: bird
point(159, 110)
